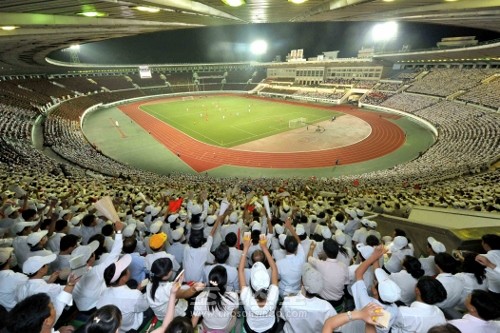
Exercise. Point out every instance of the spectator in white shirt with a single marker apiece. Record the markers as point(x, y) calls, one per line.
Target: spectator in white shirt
point(91, 285)
point(35, 314)
point(9, 280)
point(234, 253)
point(483, 308)
point(399, 249)
point(491, 244)
point(159, 288)
point(131, 302)
point(473, 276)
point(221, 254)
point(66, 246)
point(290, 267)
point(407, 278)
point(61, 229)
point(260, 296)
point(447, 267)
point(90, 227)
point(433, 247)
point(157, 246)
point(36, 268)
point(37, 241)
point(422, 314)
point(333, 284)
point(307, 304)
point(178, 244)
point(216, 305)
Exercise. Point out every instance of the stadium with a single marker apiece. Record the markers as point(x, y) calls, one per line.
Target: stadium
point(408, 139)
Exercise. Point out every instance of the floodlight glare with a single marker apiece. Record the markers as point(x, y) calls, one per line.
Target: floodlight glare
point(92, 14)
point(234, 3)
point(385, 31)
point(148, 9)
point(297, 1)
point(258, 47)
point(74, 47)
point(9, 27)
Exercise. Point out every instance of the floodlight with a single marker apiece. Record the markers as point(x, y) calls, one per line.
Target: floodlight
point(92, 14)
point(297, 1)
point(258, 47)
point(385, 31)
point(234, 3)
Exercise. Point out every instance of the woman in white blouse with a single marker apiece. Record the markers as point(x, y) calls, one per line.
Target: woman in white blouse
point(216, 305)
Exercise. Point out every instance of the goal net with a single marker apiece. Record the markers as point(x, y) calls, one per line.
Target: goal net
point(297, 122)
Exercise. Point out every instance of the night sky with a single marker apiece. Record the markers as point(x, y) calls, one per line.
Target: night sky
point(231, 43)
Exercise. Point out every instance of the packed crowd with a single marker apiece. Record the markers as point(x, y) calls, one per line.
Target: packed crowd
point(246, 261)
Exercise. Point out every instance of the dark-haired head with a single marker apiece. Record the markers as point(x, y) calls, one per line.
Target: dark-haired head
point(491, 242)
point(372, 240)
point(231, 239)
point(445, 262)
point(217, 280)
point(31, 315)
point(291, 244)
point(109, 272)
point(484, 303)
point(67, 242)
point(431, 291)
point(89, 220)
point(161, 270)
point(129, 245)
point(105, 320)
point(221, 253)
point(470, 265)
point(195, 240)
point(331, 248)
point(413, 266)
point(446, 328)
point(101, 249)
point(180, 325)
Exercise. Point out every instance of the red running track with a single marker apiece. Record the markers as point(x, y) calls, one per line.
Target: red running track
point(384, 139)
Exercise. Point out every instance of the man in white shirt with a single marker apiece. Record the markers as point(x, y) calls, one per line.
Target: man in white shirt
point(447, 266)
point(422, 314)
point(36, 268)
point(491, 244)
point(306, 312)
point(234, 253)
point(21, 248)
point(333, 284)
point(157, 244)
point(131, 302)
point(9, 280)
point(221, 255)
point(290, 267)
point(91, 285)
point(433, 247)
point(178, 245)
point(197, 253)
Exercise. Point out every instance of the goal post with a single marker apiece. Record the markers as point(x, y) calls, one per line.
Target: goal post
point(297, 122)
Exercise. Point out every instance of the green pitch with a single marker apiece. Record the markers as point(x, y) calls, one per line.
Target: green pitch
point(228, 121)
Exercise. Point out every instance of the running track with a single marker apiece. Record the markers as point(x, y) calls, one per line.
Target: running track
point(384, 139)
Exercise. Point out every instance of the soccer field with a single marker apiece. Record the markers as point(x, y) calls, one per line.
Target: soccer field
point(228, 121)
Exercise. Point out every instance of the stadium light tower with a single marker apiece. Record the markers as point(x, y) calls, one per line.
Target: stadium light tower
point(383, 33)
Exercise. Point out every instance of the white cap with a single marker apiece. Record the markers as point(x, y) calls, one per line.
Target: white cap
point(340, 237)
point(35, 237)
point(259, 277)
point(398, 243)
point(360, 213)
point(256, 226)
point(129, 230)
point(10, 209)
point(281, 239)
point(172, 218)
point(19, 226)
point(326, 233)
point(365, 250)
point(155, 227)
point(300, 229)
point(312, 279)
point(196, 209)
point(436, 246)
point(352, 213)
point(233, 217)
point(210, 220)
point(85, 250)
point(388, 290)
point(177, 234)
point(33, 264)
point(279, 229)
point(64, 212)
point(5, 253)
point(120, 266)
point(338, 225)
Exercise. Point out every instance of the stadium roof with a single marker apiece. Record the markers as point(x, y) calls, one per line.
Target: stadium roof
point(45, 26)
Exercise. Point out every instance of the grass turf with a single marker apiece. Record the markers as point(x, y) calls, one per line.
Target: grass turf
point(228, 121)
